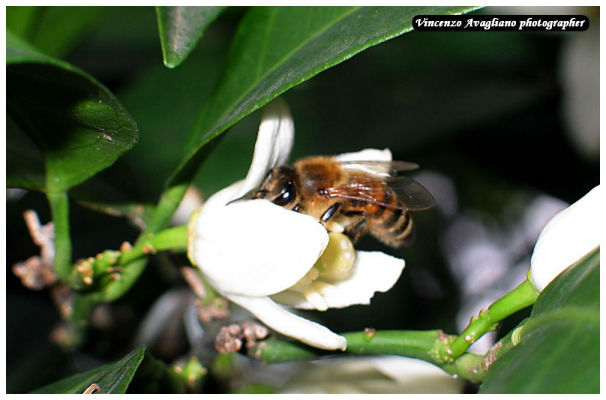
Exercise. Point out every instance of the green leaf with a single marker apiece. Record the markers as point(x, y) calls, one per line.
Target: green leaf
point(181, 92)
point(276, 48)
point(24, 163)
point(77, 123)
point(111, 378)
point(138, 214)
point(559, 348)
point(53, 30)
point(20, 19)
point(154, 376)
point(180, 29)
point(576, 287)
point(116, 192)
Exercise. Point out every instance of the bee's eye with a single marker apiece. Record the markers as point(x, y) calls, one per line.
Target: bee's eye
point(286, 196)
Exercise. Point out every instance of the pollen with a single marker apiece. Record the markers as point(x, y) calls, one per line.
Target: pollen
point(333, 226)
point(315, 298)
point(307, 280)
point(333, 265)
point(338, 258)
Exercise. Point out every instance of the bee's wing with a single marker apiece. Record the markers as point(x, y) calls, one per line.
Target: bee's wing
point(380, 169)
point(410, 193)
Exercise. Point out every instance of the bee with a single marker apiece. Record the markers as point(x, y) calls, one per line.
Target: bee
point(353, 197)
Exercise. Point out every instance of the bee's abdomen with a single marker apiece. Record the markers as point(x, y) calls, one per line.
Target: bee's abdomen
point(391, 225)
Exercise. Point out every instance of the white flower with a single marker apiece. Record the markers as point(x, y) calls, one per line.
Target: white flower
point(258, 254)
point(374, 374)
point(567, 238)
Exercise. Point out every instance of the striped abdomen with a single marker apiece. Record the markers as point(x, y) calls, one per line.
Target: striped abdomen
point(390, 224)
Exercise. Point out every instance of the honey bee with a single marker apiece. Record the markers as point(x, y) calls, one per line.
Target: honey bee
point(353, 197)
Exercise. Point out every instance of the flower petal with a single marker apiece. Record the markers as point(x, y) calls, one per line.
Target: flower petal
point(372, 374)
point(568, 237)
point(274, 142)
point(417, 376)
point(372, 272)
point(253, 247)
point(285, 322)
point(366, 155)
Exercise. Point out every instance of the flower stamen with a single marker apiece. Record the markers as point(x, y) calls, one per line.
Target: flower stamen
point(314, 296)
point(338, 258)
point(332, 226)
point(333, 265)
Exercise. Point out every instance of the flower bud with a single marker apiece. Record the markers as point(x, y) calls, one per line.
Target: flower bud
point(567, 238)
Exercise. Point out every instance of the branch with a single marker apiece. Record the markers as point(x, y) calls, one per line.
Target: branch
point(519, 298)
point(116, 271)
point(59, 205)
point(445, 351)
point(423, 345)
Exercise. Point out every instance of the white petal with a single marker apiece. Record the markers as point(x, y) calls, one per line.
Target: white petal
point(417, 375)
point(218, 200)
point(372, 272)
point(192, 200)
point(366, 155)
point(253, 247)
point(568, 237)
point(378, 374)
point(285, 322)
point(274, 142)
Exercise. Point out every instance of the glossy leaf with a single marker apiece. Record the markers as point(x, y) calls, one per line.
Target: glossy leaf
point(77, 123)
point(20, 19)
point(52, 30)
point(559, 348)
point(138, 214)
point(24, 163)
point(276, 48)
point(181, 28)
point(181, 91)
point(111, 378)
point(116, 191)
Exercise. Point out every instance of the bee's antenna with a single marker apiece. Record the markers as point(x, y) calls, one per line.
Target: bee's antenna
point(253, 194)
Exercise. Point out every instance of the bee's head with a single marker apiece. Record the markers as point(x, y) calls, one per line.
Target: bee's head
point(278, 186)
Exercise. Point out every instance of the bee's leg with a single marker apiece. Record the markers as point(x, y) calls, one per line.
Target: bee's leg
point(356, 229)
point(329, 213)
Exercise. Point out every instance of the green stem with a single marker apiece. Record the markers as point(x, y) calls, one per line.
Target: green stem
point(59, 205)
point(113, 286)
point(423, 345)
point(521, 297)
point(445, 351)
point(169, 239)
point(474, 367)
point(168, 203)
point(132, 263)
point(72, 334)
point(126, 265)
point(417, 344)
point(113, 289)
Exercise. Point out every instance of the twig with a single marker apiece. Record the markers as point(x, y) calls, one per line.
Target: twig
point(92, 389)
point(37, 271)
